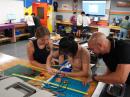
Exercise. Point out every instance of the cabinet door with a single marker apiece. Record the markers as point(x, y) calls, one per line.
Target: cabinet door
point(40, 9)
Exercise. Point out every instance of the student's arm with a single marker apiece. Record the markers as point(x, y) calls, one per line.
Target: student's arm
point(119, 76)
point(61, 59)
point(107, 72)
point(71, 19)
point(49, 58)
point(48, 63)
point(85, 66)
point(52, 55)
point(30, 51)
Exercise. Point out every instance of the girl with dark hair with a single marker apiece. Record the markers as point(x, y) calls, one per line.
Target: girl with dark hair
point(39, 49)
point(78, 57)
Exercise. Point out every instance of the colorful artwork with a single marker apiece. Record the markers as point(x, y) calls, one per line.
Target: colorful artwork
point(123, 4)
point(28, 8)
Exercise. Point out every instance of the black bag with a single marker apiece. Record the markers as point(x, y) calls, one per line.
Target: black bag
point(8, 32)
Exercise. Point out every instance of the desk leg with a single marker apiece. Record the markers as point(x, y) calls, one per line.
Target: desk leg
point(14, 36)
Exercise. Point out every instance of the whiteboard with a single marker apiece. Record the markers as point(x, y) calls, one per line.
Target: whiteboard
point(11, 9)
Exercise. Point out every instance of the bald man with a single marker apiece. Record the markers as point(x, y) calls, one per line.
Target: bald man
point(116, 55)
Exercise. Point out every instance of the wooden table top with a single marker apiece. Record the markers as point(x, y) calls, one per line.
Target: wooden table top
point(92, 26)
point(7, 61)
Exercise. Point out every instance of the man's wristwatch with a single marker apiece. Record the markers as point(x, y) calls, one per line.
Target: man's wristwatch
point(93, 78)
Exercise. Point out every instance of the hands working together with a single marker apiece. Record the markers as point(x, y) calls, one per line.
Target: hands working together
point(53, 71)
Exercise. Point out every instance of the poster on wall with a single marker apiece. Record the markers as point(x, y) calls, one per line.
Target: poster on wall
point(123, 4)
point(65, 6)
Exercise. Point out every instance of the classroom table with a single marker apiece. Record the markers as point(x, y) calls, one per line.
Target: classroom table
point(15, 26)
point(115, 28)
point(9, 26)
point(93, 28)
point(7, 62)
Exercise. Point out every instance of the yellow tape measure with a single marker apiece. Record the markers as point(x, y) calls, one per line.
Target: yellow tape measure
point(31, 78)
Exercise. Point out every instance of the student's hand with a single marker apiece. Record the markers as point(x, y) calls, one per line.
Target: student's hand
point(62, 74)
point(53, 62)
point(52, 71)
point(86, 80)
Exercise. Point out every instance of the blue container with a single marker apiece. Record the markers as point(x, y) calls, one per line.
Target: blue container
point(17, 32)
point(66, 69)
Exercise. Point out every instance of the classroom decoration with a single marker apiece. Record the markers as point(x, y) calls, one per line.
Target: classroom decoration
point(55, 5)
point(75, 5)
point(123, 4)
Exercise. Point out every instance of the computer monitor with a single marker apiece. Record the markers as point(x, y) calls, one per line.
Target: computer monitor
point(95, 7)
point(96, 19)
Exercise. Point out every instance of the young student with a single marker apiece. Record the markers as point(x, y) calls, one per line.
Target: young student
point(36, 20)
point(30, 23)
point(73, 20)
point(78, 56)
point(39, 49)
point(125, 26)
point(80, 23)
point(86, 22)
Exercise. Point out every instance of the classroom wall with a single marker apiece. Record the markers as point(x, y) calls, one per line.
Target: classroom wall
point(28, 8)
point(114, 8)
point(69, 3)
point(66, 15)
